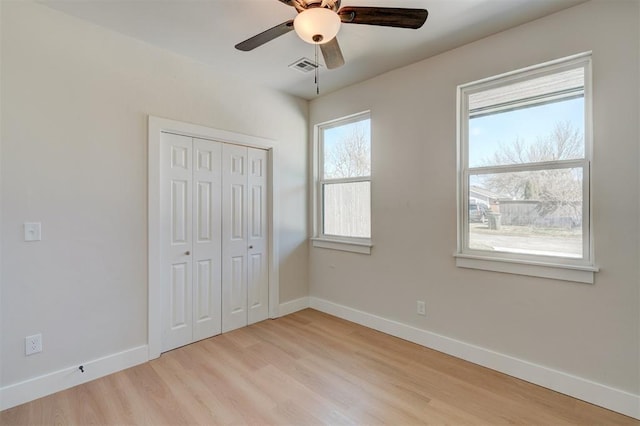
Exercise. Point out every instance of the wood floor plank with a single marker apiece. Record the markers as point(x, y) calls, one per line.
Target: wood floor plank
point(308, 368)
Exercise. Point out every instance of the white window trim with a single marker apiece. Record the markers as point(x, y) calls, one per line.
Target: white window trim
point(579, 270)
point(353, 246)
point(581, 274)
point(320, 240)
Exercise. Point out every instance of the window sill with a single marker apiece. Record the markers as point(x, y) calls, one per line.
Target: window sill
point(581, 274)
point(342, 245)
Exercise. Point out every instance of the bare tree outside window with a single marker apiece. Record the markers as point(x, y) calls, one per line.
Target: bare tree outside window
point(350, 155)
point(554, 189)
point(565, 142)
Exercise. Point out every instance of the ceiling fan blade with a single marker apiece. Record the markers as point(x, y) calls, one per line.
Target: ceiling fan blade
point(332, 54)
point(265, 36)
point(384, 16)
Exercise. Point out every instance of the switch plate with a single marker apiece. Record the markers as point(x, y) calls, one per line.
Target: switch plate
point(421, 308)
point(33, 344)
point(32, 231)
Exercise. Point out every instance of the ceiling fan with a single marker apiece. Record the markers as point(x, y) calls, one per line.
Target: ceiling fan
point(318, 22)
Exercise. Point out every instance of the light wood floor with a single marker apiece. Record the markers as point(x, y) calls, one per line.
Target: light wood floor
point(303, 369)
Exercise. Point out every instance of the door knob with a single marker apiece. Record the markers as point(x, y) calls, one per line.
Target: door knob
point(250, 247)
point(187, 253)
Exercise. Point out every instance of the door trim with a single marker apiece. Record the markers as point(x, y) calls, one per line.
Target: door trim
point(156, 126)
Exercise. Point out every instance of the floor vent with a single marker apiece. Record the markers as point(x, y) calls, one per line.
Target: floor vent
point(304, 65)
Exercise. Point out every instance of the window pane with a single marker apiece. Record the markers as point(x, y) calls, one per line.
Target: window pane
point(347, 150)
point(347, 210)
point(532, 212)
point(537, 120)
point(548, 132)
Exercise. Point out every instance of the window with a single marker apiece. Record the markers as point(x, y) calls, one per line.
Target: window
point(524, 155)
point(343, 184)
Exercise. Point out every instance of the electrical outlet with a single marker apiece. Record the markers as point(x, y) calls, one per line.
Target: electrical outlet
point(422, 308)
point(33, 231)
point(33, 344)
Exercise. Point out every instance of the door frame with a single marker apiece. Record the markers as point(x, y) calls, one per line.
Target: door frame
point(156, 126)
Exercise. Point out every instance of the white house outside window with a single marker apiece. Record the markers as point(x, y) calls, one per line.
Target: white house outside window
point(524, 159)
point(343, 184)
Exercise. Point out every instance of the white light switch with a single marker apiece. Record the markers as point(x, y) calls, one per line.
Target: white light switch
point(32, 232)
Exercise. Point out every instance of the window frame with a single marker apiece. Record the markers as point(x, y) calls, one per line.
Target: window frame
point(320, 239)
point(563, 268)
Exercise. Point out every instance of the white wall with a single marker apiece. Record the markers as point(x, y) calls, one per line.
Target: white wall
point(590, 331)
point(75, 101)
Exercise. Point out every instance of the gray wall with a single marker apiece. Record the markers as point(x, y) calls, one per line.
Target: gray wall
point(75, 100)
point(591, 331)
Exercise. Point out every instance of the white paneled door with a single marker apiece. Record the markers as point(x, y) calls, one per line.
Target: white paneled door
point(214, 238)
point(234, 237)
point(257, 233)
point(207, 254)
point(177, 169)
point(244, 237)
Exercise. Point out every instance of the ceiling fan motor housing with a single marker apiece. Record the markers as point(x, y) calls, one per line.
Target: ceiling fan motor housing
point(301, 5)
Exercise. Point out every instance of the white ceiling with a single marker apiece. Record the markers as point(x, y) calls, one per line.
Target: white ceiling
point(207, 31)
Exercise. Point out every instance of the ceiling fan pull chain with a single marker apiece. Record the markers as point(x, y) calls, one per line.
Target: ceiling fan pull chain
point(317, 71)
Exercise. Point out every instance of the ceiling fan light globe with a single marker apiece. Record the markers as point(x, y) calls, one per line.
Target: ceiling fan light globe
point(317, 25)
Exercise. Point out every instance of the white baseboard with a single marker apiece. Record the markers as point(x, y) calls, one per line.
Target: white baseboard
point(292, 306)
point(35, 388)
point(595, 393)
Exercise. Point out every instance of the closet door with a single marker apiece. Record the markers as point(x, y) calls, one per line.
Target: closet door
point(191, 239)
point(176, 219)
point(258, 266)
point(207, 238)
point(214, 238)
point(245, 275)
point(234, 237)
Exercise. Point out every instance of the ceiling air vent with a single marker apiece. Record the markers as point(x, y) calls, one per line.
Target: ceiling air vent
point(304, 65)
